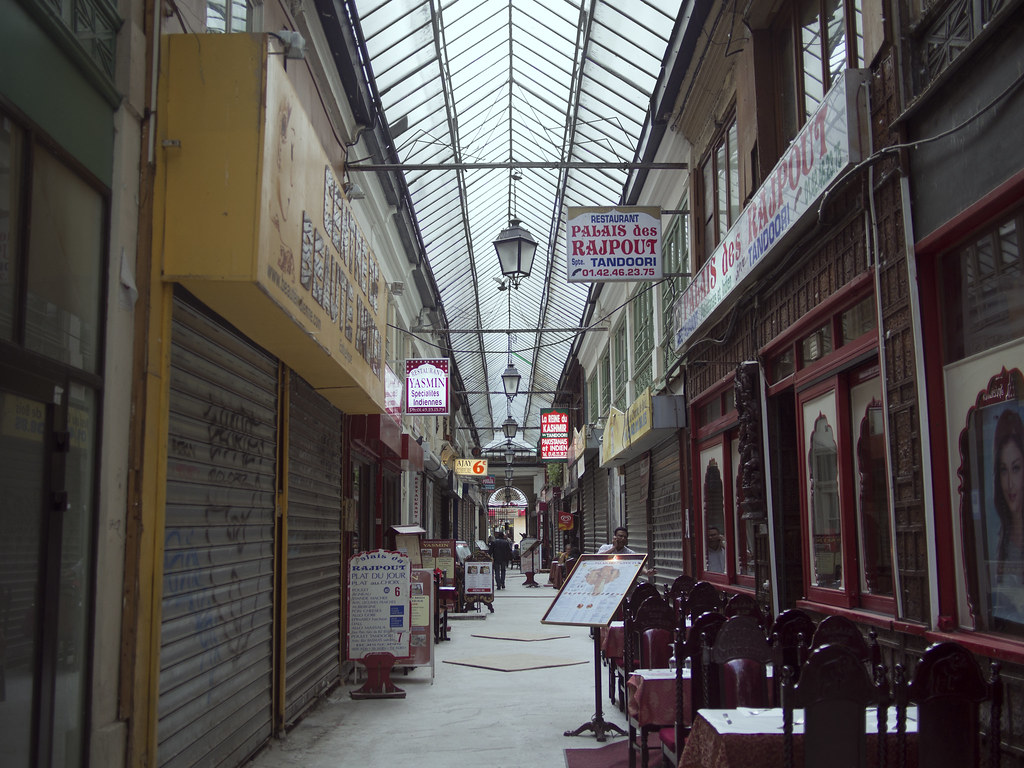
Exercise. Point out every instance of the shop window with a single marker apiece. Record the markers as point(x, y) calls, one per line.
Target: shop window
point(983, 290)
point(981, 283)
point(727, 538)
point(858, 320)
point(816, 345)
point(845, 499)
point(713, 510)
point(782, 365)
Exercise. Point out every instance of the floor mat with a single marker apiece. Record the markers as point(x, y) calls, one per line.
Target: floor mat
point(513, 662)
point(523, 636)
point(615, 755)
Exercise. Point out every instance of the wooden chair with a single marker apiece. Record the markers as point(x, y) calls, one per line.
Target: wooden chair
point(743, 604)
point(790, 637)
point(703, 597)
point(742, 653)
point(680, 587)
point(839, 630)
point(948, 688)
point(690, 644)
point(834, 690)
point(652, 631)
point(632, 601)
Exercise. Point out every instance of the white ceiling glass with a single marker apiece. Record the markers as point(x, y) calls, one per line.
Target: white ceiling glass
point(554, 92)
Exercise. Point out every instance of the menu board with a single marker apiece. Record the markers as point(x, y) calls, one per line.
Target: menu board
point(529, 555)
point(378, 603)
point(421, 635)
point(439, 553)
point(479, 578)
point(594, 589)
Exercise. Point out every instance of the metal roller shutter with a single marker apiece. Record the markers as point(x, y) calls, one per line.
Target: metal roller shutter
point(638, 484)
point(216, 644)
point(314, 548)
point(596, 499)
point(666, 510)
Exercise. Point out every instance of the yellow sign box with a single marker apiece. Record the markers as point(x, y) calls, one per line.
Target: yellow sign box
point(255, 222)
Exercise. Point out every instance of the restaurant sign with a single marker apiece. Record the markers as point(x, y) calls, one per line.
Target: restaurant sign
point(426, 386)
point(606, 245)
point(554, 434)
point(823, 149)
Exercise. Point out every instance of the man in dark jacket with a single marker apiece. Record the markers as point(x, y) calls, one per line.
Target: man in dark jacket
point(501, 553)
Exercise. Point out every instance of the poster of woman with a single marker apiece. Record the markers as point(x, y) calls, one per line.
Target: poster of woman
point(1007, 464)
point(992, 472)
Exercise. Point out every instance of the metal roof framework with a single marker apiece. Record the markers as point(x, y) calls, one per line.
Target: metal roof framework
point(503, 109)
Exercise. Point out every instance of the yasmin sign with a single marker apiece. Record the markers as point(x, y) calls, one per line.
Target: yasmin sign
point(823, 149)
point(426, 386)
point(613, 244)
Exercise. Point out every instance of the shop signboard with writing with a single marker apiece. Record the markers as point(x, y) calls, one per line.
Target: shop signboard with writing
point(439, 554)
point(606, 245)
point(426, 386)
point(824, 148)
point(378, 603)
point(421, 613)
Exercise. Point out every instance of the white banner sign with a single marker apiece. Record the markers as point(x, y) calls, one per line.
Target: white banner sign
point(472, 467)
point(823, 149)
point(426, 386)
point(613, 244)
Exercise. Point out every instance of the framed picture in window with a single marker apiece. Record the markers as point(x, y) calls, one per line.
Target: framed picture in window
point(986, 434)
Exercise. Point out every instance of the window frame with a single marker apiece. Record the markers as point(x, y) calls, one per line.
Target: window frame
point(642, 316)
point(787, 38)
point(714, 220)
point(719, 430)
point(620, 369)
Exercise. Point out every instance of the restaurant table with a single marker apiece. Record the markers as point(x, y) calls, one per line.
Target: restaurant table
point(613, 638)
point(651, 696)
point(752, 738)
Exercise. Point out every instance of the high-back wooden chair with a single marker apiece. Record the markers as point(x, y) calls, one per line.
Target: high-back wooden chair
point(630, 604)
point(679, 588)
point(743, 604)
point(834, 690)
point(948, 688)
point(690, 643)
point(790, 636)
point(742, 653)
point(704, 596)
point(653, 628)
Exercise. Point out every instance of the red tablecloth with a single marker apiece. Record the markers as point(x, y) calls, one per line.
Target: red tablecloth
point(731, 738)
point(651, 696)
point(613, 638)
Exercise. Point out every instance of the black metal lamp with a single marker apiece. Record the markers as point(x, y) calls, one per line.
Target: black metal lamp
point(509, 427)
point(510, 381)
point(516, 249)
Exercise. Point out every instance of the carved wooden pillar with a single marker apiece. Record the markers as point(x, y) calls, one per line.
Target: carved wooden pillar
point(751, 476)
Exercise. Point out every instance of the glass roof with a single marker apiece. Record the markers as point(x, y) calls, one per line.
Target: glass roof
point(503, 110)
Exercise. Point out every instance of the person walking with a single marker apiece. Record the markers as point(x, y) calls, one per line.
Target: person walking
point(501, 553)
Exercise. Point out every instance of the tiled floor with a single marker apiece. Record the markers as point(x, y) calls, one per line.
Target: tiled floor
point(468, 715)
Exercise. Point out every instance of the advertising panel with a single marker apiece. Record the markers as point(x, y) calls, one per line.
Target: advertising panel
point(426, 386)
point(378, 604)
point(613, 244)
